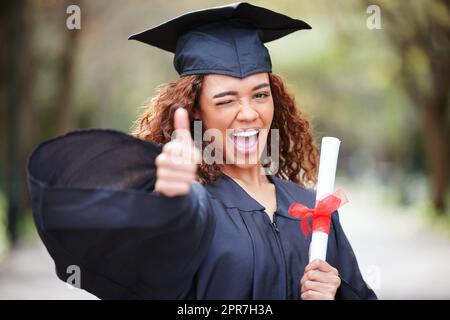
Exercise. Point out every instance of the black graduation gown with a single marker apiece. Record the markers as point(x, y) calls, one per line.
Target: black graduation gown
point(93, 207)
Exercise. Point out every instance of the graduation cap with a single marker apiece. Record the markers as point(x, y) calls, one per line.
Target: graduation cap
point(225, 40)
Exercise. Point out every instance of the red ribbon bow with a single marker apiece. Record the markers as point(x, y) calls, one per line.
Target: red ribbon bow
point(321, 214)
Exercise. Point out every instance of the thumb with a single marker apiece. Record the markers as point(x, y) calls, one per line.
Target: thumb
point(181, 125)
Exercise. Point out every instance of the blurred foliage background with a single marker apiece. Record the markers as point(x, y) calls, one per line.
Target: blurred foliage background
point(383, 92)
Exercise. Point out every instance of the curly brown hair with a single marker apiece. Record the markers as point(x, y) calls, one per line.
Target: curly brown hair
point(298, 155)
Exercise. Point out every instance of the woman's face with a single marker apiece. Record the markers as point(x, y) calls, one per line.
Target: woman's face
point(242, 111)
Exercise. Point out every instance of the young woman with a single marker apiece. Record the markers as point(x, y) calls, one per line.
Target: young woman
point(208, 229)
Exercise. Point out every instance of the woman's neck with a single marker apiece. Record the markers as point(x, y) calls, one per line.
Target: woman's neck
point(249, 176)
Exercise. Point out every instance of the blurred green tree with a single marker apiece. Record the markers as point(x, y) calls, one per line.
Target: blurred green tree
point(419, 31)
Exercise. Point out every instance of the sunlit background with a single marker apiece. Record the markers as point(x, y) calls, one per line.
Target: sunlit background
point(383, 91)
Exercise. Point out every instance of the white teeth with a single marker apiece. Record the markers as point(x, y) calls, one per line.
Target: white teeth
point(248, 133)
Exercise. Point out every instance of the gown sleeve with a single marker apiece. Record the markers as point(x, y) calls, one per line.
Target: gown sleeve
point(94, 208)
point(353, 286)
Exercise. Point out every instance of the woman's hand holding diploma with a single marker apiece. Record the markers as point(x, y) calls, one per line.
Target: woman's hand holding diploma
point(320, 281)
point(177, 163)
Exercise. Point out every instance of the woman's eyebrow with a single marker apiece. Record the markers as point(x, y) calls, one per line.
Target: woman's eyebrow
point(259, 86)
point(234, 93)
point(226, 93)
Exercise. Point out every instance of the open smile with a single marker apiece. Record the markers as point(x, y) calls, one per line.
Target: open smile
point(245, 140)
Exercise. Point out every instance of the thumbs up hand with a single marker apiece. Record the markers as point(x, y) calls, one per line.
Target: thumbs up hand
point(176, 165)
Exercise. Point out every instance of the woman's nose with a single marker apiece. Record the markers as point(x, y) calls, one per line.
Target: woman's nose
point(247, 112)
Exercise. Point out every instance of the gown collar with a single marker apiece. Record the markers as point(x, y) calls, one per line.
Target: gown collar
point(232, 195)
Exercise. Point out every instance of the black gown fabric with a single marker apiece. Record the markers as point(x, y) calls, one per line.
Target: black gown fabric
point(94, 207)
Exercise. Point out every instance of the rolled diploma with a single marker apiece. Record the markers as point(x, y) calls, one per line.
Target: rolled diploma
point(325, 185)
